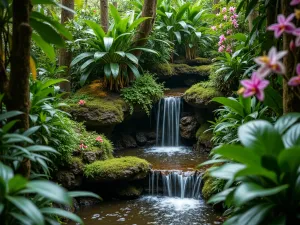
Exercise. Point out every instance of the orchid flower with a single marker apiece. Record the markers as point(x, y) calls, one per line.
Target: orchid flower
point(283, 25)
point(224, 10)
point(221, 48)
point(271, 63)
point(225, 17)
point(232, 9)
point(295, 81)
point(99, 138)
point(214, 28)
point(295, 2)
point(297, 34)
point(81, 102)
point(254, 86)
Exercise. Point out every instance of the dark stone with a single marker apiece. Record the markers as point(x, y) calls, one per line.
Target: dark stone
point(151, 135)
point(188, 127)
point(129, 192)
point(128, 141)
point(88, 201)
point(89, 157)
point(68, 180)
point(76, 167)
point(141, 138)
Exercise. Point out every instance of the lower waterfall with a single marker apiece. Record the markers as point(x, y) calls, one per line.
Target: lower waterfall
point(175, 184)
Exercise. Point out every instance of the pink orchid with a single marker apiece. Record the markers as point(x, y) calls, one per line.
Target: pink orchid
point(292, 45)
point(295, 2)
point(81, 102)
point(222, 38)
point(214, 28)
point(283, 25)
point(99, 138)
point(254, 86)
point(224, 10)
point(82, 146)
point(228, 49)
point(228, 32)
point(221, 48)
point(271, 63)
point(232, 9)
point(225, 17)
point(295, 81)
point(235, 23)
point(297, 34)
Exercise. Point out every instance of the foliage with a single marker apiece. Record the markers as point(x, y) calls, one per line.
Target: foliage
point(144, 92)
point(114, 168)
point(233, 114)
point(263, 174)
point(110, 53)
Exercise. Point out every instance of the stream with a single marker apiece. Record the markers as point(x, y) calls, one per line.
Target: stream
point(173, 196)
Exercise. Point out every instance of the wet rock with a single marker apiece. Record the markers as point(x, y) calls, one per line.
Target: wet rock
point(128, 141)
point(141, 138)
point(68, 180)
point(89, 157)
point(87, 201)
point(204, 136)
point(76, 166)
point(129, 192)
point(188, 127)
point(151, 135)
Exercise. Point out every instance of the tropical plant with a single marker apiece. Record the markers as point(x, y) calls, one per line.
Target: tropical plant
point(51, 71)
point(111, 53)
point(263, 174)
point(234, 67)
point(233, 114)
point(144, 92)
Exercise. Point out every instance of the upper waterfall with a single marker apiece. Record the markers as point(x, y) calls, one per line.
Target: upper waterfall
point(167, 121)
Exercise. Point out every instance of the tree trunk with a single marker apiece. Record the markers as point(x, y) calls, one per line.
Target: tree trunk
point(145, 28)
point(20, 70)
point(104, 14)
point(115, 3)
point(216, 10)
point(290, 100)
point(65, 57)
point(252, 16)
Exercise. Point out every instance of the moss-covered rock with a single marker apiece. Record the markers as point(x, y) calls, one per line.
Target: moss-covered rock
point(194, 62)
point(204, 136)
point(117, 169)
point(200, 95)
point(102, 109)
point(181, 70)
point(129, 192)
point(211, 186)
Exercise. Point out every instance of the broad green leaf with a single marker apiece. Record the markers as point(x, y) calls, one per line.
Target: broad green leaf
point(99, 32)
point(286, 121)
point(178, 36)
point(99, 55)
point(52, 82)
point(182, 10)
point(24, 220)
point(46, 48)
point(221, 196)
point(249, 191)
point(62, 213)
point(255, 215)
point(6, 173)
point(239, 154)
point(81, 57)
point(13, 138)
point(31, 130)
point(132, 57)
point(9, 125)
point(289, 160)
point(226, 171)
point(50, 191)
point(41, 148)
point(233, 104)
point(28, 208)
point(145, 50)
point(86, 74)
point(76, 194)
point(115, 14)
point(137, 22)
point(134, 70)
point(9, 114)
point(108, 42)
point(16, 184)
point(107, 70)
point(47, 32)
point(87, 64)
point(261, 136)
point(115, 68)
point(292, 136)
point(273, 99)
point(257, 171)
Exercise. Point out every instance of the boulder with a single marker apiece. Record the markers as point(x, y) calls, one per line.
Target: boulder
point(204, 136)
point(128, 141)
point(141, 138)
point(194, 62)
point(188, 127)
point(151, 135)
point(118, 169)
point(76, 166)
point(102, 109)
point(89, 157)
point(201, 94)
point(129, 192)
point(68, 179)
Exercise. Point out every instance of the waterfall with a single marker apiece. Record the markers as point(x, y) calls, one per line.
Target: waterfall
point(167, 121)
point(175, 184)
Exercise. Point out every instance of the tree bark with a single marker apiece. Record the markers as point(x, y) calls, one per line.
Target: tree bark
point(115, 3)
point(290, 100)
point(252, 16)
point(65, 57)
point(104, 14)
point(145, 28)
point(20, 70)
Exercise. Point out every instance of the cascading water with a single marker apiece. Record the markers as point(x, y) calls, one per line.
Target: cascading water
point(175, 184)
point(168, 119)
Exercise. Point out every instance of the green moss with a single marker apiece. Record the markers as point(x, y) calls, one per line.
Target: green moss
point(182, 69)
point(76, 161)
point(203, 61)
point(202, 134)
point(211, 186)
point(202, 91)
point(165, 69)
point(118, 169)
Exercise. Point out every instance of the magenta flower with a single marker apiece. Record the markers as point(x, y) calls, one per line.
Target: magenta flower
point(228, 49)
point(222, 38)
point(224, 10)
point(254, 86)
point(82, 146)
point(81, 102)
point(225, 17)
point(283, 25)
point(295, 2)
point(228, 32)
point(221, 48)
point(232, 9)
point(271, 63)
point(297, 34)
point(295, 81)
point(214, 28)
point(99, 139)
